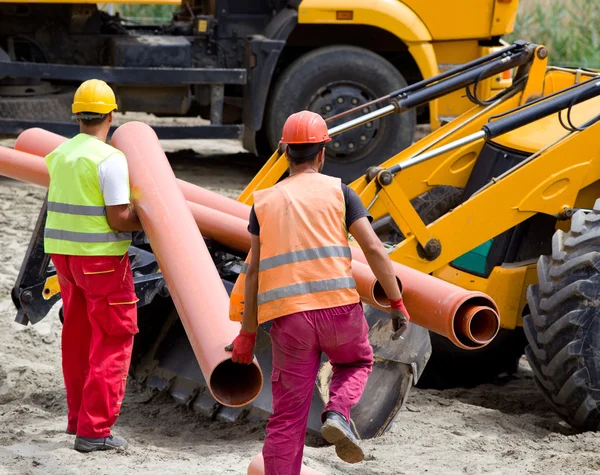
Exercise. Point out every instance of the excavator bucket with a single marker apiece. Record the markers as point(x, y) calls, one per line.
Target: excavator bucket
point(163, 358)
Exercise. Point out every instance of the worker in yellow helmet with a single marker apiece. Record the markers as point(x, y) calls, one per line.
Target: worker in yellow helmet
point(88, 232)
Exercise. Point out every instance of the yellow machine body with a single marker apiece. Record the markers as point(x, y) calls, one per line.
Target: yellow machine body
point(561, 178)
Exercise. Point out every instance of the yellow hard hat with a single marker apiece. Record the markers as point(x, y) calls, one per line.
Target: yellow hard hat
point(94, 96)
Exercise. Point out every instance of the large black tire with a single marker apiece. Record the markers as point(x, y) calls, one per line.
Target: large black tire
point(450, 366)
point(338, 73)
point(563, 329)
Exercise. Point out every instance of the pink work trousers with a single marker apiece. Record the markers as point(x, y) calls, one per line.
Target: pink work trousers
point(100, 320)
point(298, 340)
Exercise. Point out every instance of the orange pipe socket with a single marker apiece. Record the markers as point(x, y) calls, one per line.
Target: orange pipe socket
point(468, 319)
point(257, 467)
point(189, 271)
point(40, 142)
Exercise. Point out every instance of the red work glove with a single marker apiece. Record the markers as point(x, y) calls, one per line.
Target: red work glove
point(400, 318)
point(242, 348)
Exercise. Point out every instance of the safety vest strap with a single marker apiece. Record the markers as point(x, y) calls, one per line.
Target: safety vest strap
point(304, 255)
point(306, 288)
point(79, 210)
point(86, 237)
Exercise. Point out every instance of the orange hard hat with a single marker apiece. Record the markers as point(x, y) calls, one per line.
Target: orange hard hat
point(305, 127)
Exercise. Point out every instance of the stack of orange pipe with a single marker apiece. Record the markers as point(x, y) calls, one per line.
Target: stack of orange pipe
point(212, 221)
point(468, 319)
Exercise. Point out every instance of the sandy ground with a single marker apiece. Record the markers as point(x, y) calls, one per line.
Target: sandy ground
point(490, 429)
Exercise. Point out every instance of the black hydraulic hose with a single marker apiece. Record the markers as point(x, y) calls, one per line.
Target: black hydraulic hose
point(585, 91)
point(517, 45)
point(462, 80)
point(504, 52)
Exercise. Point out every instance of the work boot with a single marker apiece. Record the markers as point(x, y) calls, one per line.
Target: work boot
point(84, 444)
point(336, 430)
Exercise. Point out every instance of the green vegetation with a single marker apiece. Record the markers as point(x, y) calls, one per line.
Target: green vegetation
point(570, 29)
point(146, 14)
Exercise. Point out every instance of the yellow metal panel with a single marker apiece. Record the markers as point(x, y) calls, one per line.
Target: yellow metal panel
point(389, 15)
point(503, 20)
point(454, 20)
point(506, 285)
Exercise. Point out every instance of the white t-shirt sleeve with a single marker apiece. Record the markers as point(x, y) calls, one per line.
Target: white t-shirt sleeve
point(113, 175)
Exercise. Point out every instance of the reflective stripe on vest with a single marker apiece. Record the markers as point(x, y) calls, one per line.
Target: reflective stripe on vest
point(76, 222)
point(304, 255)
point(75, 236)
point(81, 210)
point(306, 288)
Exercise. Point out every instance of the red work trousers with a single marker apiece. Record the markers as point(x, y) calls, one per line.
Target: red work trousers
point(298, 340)
point(100, 320)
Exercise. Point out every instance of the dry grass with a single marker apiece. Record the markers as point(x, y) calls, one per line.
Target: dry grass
point(570, 29)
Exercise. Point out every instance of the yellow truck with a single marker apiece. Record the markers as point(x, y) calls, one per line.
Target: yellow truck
point(246, 65)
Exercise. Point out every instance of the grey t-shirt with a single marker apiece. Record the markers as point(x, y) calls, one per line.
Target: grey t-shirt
point(354, 211)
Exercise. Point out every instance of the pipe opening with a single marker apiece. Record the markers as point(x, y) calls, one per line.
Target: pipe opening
point(234, 384)
point(483, 325)
point(379, 296)
point(476, 323)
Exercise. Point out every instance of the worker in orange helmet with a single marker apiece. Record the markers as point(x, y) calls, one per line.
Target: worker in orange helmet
point(299, 276)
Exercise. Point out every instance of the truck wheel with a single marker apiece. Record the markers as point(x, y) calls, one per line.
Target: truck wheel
point(563, 329)
point(334, 79)
point(450, 366)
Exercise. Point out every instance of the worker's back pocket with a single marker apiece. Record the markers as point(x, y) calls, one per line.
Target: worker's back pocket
point(122, 313)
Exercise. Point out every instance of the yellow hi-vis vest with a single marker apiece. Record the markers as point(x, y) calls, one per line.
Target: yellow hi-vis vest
point(76, 224)
point(305, 259)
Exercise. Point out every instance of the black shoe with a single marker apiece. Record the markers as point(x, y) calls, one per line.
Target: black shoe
point(337, 431)
point(84, 444)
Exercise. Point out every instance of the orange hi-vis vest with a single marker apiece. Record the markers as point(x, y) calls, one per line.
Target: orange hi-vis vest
point(305, 259)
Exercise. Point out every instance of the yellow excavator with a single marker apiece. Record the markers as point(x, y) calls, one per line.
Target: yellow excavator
point(486, 202)
point(476, 203)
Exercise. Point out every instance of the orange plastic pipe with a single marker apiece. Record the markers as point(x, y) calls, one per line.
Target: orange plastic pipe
point(23, 166)
point(194, 283)
point(469, 319)
point(257, 467)
point(40, 142)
